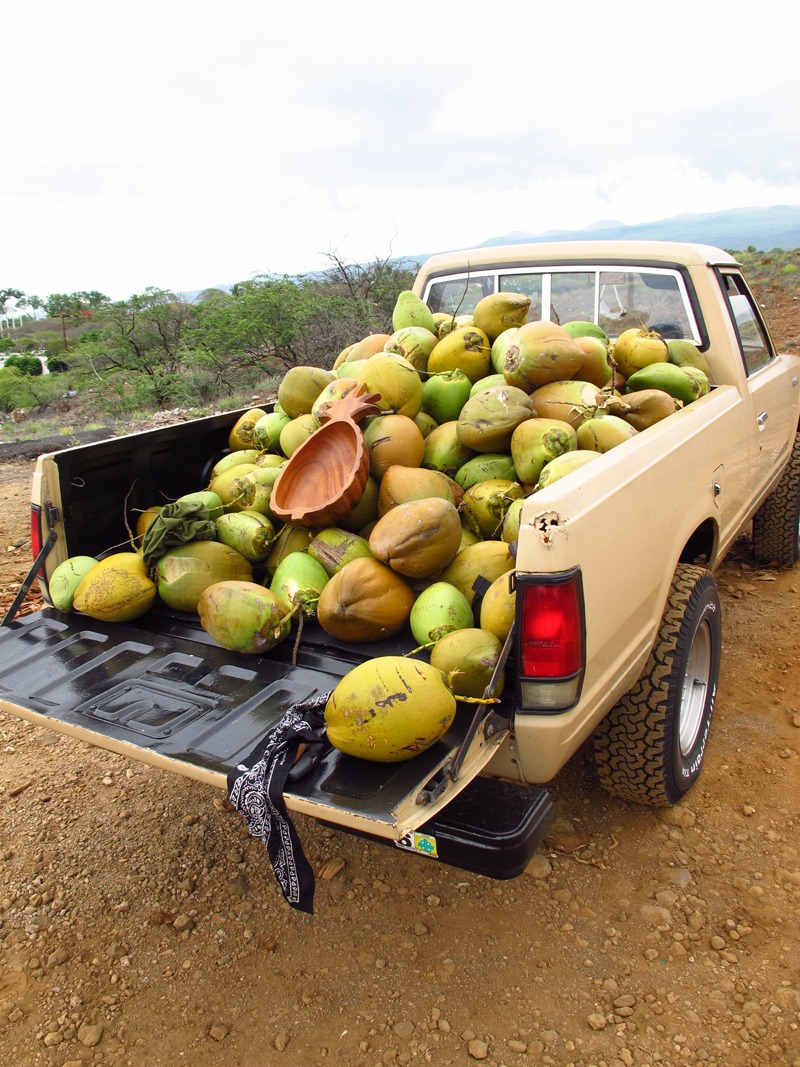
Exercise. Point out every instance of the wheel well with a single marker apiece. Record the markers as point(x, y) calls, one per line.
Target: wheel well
point(702, 545)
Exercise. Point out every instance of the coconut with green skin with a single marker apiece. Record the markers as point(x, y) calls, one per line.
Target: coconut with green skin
point(438, 610)
point(184, 572)
point(445, 394)
point(66, 578)
point(333, 547)
point(535, 442)
point(468, 659)
point(250, 533)
point(244, 616)
point(298, 580)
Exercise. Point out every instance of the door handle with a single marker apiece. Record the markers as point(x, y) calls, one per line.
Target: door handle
point(762, 417)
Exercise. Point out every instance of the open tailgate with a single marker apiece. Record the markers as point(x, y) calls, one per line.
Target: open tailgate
point(163, 692)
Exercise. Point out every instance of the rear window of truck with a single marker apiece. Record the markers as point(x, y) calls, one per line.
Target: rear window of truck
point(615, 299)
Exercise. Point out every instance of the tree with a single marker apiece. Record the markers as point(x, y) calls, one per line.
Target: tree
point(24, 364)
point(75, 306)
point(144, 336)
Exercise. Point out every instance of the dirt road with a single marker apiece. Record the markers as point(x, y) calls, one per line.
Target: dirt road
point(139, 925)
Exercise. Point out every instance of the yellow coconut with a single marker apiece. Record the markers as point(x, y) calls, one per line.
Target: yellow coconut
point(117, 589)
point(389, 709)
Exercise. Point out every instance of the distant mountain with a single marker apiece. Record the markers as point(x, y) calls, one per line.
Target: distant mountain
point(762, 227)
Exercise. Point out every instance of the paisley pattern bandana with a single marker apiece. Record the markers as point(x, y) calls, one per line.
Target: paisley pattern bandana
point(256, 791)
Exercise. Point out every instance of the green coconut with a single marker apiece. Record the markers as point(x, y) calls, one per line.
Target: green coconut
point(250, 533)
point(444, 451)
point(389, 709)
point(401, 484)
point(290, 538)
point(333, 547)
point(415, 343)
point(685, 354)
point(567, 401)
point(562, 465)
point(184, 573)
point(66, 578)
point(234, 459)
point(499, 349)
point(604, 432)
point(445, 394)
point(467, 349)
point(484, 467)
point(498, 312)
point(297, 431)
point(484, 559)
point(410, 310)
point(468, 658)
point(537, 441)
point(267, 431)
point(365, 511)
point(334, 391)
point(498, 607)
point(299, 580)
point(438, 610)
point(487, 383)
point(244, 616)
point(584, 328)
point(683, 383)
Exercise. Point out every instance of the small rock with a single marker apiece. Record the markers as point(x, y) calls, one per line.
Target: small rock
point(478, 1049)
point(183, 922)
point(90, 1034)
point(281, 1041)
point(58, 956)
point(656, 915)
point(539, 867)
point(597, 1020)
point(717, 943)
point(404, 1029)
point(678, 816)
point(217, 1031)
point(516, 1045)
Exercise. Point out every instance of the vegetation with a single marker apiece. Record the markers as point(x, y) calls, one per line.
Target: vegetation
point(157, 350)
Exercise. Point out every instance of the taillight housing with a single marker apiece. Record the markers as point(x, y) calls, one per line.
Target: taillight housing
point(551, 640)
point(36, 530)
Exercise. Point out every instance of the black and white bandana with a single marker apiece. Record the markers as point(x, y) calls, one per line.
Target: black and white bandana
point(256, 791)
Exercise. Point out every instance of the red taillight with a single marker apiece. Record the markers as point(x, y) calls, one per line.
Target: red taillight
point(550, 643)
point(36, 531)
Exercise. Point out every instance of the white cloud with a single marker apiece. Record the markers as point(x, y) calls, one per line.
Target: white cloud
point(188, 144)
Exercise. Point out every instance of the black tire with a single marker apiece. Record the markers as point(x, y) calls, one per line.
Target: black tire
point(776, 524)
point(649, 749)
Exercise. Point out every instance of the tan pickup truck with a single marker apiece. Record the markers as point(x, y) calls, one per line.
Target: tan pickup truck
point(618, 625)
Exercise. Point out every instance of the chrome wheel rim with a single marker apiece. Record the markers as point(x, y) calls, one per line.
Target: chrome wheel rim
point(695, 689)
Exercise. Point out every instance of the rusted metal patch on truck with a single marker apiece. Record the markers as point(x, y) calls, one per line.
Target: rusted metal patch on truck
point(547, 526)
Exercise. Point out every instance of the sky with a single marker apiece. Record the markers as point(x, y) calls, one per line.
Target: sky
point(185, 145)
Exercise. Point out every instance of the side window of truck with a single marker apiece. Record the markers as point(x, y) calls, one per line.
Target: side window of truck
point(753, 341)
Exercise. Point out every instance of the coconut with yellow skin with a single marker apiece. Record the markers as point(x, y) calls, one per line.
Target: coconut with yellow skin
point(389, 709)
point(117, 589)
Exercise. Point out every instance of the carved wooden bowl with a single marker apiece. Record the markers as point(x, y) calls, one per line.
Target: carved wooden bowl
point(325, 477)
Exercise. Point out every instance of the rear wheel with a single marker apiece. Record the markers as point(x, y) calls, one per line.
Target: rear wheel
point(650, 747)
point(776, 524)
